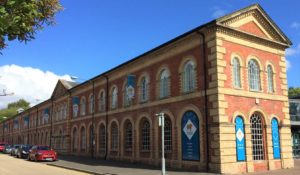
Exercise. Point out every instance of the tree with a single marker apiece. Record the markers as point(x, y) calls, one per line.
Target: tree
point(21, 19)
point(293, 92)
point(12, 108)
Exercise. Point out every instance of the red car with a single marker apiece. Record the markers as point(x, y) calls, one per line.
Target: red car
point(2, 146)
point(42, 153)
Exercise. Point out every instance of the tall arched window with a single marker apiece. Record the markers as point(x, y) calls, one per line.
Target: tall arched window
point(189, 77)
point(128, 135)
point(114, 136)
point(102, 101)
point(168, 134)
point(145, 137)
point(91, 103)
point(270, 78)
point(74, 140)
point(114, 98)
point(102, 137)
point(83, 140)
point(253, 74)
point(257, 137)
point(144, 89)
point(82, 106)
point(164, 84)
point(236, 72)
point(126, 99)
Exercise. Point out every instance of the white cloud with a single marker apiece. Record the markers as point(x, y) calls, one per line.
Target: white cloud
point(293, 51)
point(288, 64)
point(29, 83)
point(218, 12)
point(295, 25)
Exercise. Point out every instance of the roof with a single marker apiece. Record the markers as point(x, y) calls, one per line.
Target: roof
point(68, 84)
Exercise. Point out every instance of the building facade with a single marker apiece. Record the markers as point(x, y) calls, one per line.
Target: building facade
point(295, 125)
point(222, 88)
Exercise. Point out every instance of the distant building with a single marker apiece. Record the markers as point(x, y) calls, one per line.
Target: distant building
point(295, 125)
point(222, 87)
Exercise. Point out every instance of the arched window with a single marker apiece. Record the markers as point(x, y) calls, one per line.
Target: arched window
point(168, 134)
point(91, 139)
point(126, 100)
point(74, 140)
point(114, 98)
point(189, 78)
point(91, 103)
point(257, 137)
point(236, 73)
point(145, 137)
point(102, 101)
point(102, 139)
point(144, 89)
point(270, 78)
point(128, 135)
point(114, 136)
point(83, 139)
point(164, 84)
point(253, 74)
point(82, 106)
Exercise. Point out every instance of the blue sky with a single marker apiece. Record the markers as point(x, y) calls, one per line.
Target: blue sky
point(92, 36)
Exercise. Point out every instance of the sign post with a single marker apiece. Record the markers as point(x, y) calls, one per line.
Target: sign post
point(161, 119)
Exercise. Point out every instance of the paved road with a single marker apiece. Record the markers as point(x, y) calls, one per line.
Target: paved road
point(13, 166)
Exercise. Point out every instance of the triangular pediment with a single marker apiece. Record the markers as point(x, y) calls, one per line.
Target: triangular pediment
point(255, 21)
point(61, 88)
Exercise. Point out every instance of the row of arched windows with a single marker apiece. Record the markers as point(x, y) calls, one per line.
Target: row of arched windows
point(188, 76)
point(254, 75)
point(144, 133)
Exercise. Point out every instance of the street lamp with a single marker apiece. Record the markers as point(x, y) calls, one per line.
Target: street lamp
point(161, 121)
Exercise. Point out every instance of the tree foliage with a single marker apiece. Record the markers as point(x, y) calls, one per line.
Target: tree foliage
point(293, 92)
point(21, 19)
point(12, 108)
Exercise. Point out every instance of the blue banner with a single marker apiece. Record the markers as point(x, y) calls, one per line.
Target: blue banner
point(46, 114)
point(26, 121)
point(190, 137)
point(275, 139)
point(130, 86)
point(75, 103)
point(5, 126)
point(240, 139)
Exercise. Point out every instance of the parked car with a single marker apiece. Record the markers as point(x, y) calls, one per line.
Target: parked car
point(23, 151)
point(14, 149)
point(7, 149)
point(42, 153)
point(2, 146)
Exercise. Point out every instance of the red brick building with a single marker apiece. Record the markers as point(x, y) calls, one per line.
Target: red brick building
point(222, 88)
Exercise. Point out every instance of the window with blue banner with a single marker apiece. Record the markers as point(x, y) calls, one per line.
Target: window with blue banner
point(75, 102)
point(240, 139)
point(275, 139)
point(46, 115)
point(26, 121)
point(190, 136)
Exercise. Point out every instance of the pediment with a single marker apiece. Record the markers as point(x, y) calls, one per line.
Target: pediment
point(255, 21)
point(59, 90)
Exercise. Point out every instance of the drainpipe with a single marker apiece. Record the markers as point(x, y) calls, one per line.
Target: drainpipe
point(36, 125)
point(93, 131)
point(106, 116)
point(205, 97)
point(51, 124)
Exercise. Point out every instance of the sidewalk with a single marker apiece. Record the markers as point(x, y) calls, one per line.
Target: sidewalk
point(107, 167)
point(102, 167)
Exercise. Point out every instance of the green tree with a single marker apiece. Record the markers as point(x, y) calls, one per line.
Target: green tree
point(293, 92)
point(12, 108)
point(21, 19)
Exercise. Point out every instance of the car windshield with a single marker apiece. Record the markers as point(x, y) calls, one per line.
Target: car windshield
point(43, 148)
point(2, 144)
point(17, 146)
point(26, 148)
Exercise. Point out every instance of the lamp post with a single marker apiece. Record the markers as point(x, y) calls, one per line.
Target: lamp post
point(161, 120)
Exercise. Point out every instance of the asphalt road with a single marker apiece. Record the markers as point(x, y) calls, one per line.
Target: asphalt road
point(13, 166)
